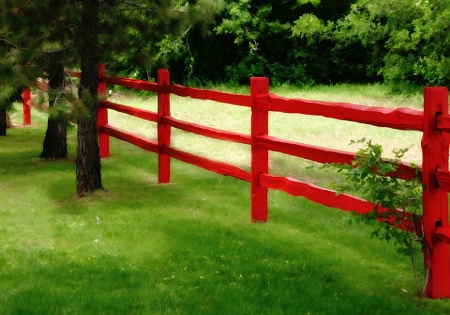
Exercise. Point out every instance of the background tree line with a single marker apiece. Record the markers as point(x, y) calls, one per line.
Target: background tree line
point(309, 41)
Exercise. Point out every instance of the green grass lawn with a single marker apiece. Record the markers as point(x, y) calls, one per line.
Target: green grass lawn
point(183, 248)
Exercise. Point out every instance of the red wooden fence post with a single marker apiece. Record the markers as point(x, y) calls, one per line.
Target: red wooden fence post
point(260, 157)
point(163, 129)
point(102, 114)
point(435, 201)
point(26, 101)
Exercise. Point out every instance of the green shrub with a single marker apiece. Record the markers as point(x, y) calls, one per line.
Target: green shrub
point(370, 175)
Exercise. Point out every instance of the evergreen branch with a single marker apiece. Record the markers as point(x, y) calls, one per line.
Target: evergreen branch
point(139, 6)
point(9, 42)
point(20, 7)
point(132, 4)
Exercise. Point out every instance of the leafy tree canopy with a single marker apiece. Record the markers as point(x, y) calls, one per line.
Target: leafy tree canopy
point(406, 40)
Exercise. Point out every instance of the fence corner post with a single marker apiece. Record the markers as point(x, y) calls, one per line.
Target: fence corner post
point(435, 151)
point(102, 114)
point(259, 156)
point(164, 130)
point(26, 102)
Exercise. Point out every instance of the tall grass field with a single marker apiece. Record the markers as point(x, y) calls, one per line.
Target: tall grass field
point(189, 247)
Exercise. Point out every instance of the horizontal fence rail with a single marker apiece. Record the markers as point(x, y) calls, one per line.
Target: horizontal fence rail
point(132, 111)
point(433, 122)
point(218, 134)
point(322, 155)
point(400, 118)
point(211, 95)
point(208, 164)
point(130, 83)
point(129, 137)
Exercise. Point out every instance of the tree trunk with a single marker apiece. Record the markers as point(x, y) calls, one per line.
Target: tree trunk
point(15, 97)
point(9, 123)
point(88, 154)
point(2, 121)
point(55, 142)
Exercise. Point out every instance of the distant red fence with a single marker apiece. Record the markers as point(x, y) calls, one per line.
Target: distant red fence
point(433, 122)
point(26, 103)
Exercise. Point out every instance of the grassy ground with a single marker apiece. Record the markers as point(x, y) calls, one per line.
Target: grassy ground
point(182, 248)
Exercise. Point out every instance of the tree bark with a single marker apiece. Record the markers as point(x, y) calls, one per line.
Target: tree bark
point(55, 142)
point(15, 97)
point(88, 166)
point(9, 123)
point(2, 121)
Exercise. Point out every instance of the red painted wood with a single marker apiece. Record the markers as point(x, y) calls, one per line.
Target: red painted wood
point(26, 103)
point(305, 151)
point(443, 180)
point(41, 85)
point(317, 194)
point(164, 130)
point(216, 96)
point(207, 164)
point(260, 156)
point(435, 150)
point(207, 131)
point(129, 137)
point(443, 122)
point(443, 234)
point(321, 155)
point(132, 111)
point(102, 114)
point(400, 118)
point(329, 198)
point(75, 74)
point(132, 84)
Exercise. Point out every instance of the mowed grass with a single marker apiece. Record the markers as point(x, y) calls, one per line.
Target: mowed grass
point(183, 248)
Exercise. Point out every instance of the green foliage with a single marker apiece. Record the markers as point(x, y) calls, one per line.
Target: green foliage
point(291, 41)
point(249, 24)
point(262, 43)
point(313, 2)
point(371, 175)
point(247, 38)
point(30, 32)
point(308, 26)
point(156, 37)
point(134, 35)
point(404, 40)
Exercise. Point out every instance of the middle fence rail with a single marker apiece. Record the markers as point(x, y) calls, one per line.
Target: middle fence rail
point(433, 122)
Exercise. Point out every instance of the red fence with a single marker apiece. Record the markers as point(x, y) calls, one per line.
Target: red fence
point(26, 102)
point(434, 122)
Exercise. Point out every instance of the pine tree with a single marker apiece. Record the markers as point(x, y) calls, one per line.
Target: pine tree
point(55, 142)
point(30, 33)
point(88, 155)
point(58, 51)
point(2, 121)
point(85, 32)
